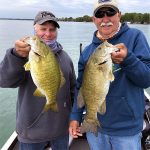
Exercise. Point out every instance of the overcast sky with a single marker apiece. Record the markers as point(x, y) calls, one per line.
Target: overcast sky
point(63, 8)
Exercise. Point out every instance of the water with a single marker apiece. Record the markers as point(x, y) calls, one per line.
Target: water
point(70, 35)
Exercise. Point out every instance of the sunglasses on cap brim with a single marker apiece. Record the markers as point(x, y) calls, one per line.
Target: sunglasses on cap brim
point(109, 13)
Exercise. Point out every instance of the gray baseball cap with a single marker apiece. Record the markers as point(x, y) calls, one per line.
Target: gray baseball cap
point(44, 16)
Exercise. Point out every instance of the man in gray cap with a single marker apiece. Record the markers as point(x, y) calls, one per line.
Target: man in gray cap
point(122, 123)
point(35, 132)
point(44, 16)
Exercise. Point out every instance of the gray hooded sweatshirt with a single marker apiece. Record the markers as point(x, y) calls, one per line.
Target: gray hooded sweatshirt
point(33, 126)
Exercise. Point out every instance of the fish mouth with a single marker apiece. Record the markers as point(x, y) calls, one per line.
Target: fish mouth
point(103, 62)
point(36, 53)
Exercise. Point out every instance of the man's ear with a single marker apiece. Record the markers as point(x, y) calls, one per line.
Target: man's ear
point(119, 14)
point(93, 19)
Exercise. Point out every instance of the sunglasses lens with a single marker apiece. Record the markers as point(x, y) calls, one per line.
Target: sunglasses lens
point(100, 14)
point(108, 12)
point(111, 12)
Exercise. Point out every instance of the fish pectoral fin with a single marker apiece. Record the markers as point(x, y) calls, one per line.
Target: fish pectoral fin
point(102, 108)
point(37, 92)
point(111, 76)
point(62, 79)
point(27, 66)
point(52, 106)
point(80, 99)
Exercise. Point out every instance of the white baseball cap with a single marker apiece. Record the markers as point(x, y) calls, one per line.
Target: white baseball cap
point(105, 3)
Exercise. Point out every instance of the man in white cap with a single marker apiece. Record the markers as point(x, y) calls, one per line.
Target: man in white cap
point(36, 129)
point(122, 123)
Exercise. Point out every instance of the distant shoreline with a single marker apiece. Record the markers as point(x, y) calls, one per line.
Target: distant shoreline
point(130, 18)
point(64, 21)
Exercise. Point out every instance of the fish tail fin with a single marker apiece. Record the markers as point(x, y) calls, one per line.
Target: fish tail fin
point(80, 99)
point(102, 108)
point(53, 106)
point(90, 127)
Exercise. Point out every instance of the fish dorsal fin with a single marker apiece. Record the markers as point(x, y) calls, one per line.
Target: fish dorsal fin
point(102, 108)
point(27, 66)
point(80, 99)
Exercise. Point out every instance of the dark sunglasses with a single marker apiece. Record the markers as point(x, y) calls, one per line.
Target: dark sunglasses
point(109, 13)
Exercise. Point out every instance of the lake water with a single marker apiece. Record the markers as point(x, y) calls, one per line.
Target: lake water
point(70, 35)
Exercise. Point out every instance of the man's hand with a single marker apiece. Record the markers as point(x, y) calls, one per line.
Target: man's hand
point(22, 48)
point(119, 56)
point(74, 129)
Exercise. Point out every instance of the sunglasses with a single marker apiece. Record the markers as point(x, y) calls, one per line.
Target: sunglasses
point(109, 13)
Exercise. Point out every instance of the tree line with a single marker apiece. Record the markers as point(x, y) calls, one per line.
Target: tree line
point(127, 17)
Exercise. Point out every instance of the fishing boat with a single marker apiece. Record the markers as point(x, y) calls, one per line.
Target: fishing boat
point(81, 142)
point(74, 144)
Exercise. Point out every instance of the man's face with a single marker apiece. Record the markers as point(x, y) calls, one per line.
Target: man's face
point(107, 21)
point(46, 31)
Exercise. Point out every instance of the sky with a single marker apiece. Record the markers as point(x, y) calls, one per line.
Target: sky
point(63, 8)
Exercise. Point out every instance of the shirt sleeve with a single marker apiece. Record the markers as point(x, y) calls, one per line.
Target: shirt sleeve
point(137, 63)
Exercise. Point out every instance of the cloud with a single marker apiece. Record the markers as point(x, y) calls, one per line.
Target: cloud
point(22, 4)
point(74, 3)
point(63, 8)
point(134, 6)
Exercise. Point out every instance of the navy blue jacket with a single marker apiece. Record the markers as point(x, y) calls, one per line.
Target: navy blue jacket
point(125, 99)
